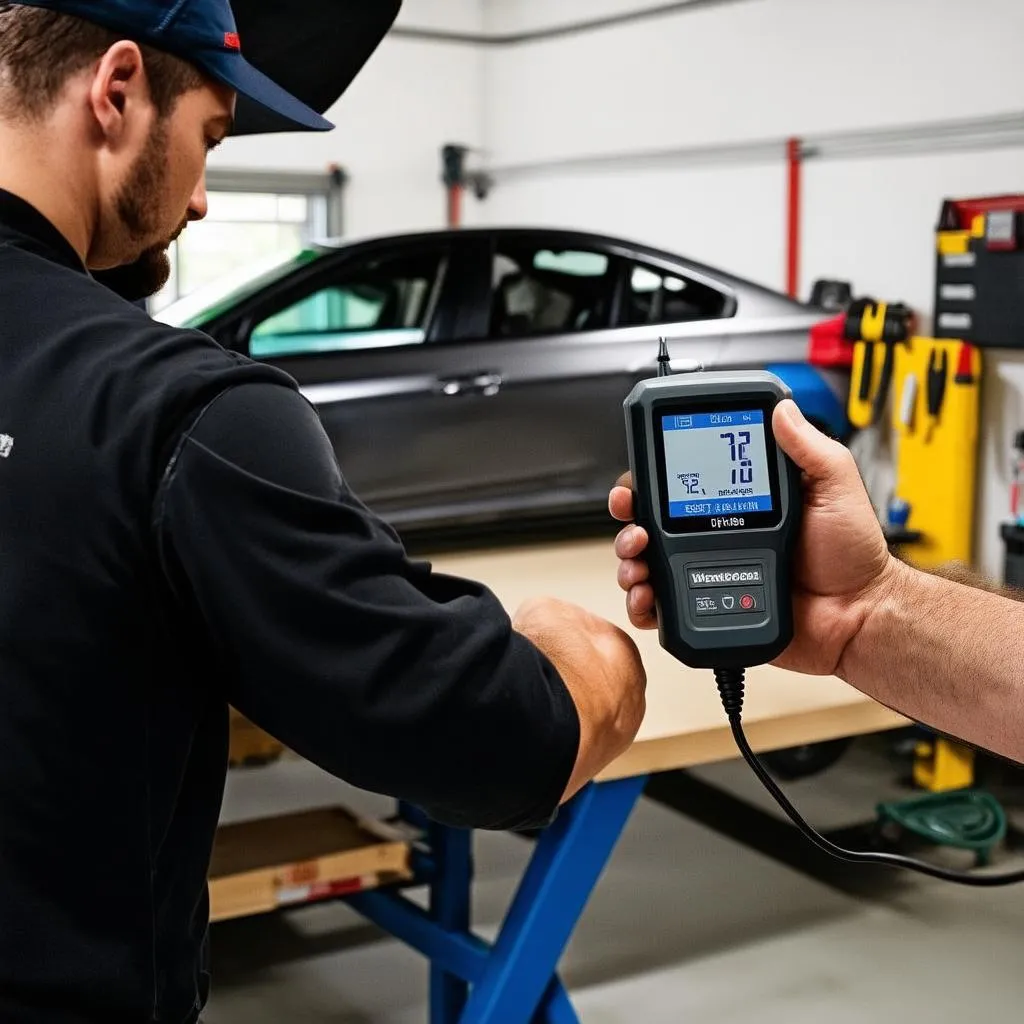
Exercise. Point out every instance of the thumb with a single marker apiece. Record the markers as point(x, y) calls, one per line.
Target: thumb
point(821, 458)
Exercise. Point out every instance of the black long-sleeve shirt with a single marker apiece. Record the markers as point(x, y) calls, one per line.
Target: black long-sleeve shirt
point(175, 537)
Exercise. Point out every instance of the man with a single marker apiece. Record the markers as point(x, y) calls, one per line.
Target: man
point(175, 537)
point(932, 648)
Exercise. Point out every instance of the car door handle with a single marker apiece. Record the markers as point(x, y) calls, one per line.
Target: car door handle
point(484, 383)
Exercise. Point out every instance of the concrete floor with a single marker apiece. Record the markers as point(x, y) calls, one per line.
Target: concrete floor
point(686, 926)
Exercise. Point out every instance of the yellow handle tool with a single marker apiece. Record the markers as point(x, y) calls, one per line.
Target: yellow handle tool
point(879, 326)
point(863, 384)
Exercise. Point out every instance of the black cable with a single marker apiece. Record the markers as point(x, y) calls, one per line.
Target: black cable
point(731, 686)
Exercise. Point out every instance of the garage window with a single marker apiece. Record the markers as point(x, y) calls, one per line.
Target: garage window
point(539, 289)
point(386, 302)
point(253, 218)
point(656, 296)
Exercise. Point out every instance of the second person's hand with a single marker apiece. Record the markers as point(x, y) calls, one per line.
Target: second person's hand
point(630, 546)
point(842, 561)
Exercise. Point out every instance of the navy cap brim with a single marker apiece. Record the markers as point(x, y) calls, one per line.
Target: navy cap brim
point(255, 86)
point(313, 48)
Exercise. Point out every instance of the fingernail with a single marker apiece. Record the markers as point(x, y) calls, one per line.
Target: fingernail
point(792, 412)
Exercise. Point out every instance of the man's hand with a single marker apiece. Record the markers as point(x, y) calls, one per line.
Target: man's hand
point(842, 561)
point(601, 666)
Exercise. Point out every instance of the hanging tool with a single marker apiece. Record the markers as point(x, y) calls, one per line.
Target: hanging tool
point(938, 369)
point(888, 324)
point(863, 379)
point(869, 324)
point(908, 402)
point(867, 372)
point(965, 365)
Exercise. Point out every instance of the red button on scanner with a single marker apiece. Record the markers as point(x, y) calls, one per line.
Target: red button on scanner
point(746, 602)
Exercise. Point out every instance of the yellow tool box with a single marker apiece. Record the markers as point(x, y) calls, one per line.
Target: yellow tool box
point(935, 415)
point(942, 765)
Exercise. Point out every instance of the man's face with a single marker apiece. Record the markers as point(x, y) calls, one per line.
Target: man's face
point(161, 190)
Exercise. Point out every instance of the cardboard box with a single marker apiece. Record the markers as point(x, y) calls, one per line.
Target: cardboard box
point(250, 745)
point(263, 865)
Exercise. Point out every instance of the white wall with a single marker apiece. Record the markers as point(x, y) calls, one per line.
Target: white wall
point(759, 70)
point(748, 71)
point(872, 221)
point(751, 69)
point(732, 217)
point(409, 100)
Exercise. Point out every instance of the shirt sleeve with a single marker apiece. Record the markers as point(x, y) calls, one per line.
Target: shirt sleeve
point(396, 678)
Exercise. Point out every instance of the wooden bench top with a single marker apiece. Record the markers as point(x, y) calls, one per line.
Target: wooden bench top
point(685, 724)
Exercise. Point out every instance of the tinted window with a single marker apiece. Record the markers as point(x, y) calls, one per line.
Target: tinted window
point(385, 302)
point(655, 296)
point(539, 289)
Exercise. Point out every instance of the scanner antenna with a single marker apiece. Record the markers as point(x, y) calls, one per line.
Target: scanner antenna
point(664, 359)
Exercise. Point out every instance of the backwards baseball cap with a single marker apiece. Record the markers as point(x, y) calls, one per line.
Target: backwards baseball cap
point(202, 32)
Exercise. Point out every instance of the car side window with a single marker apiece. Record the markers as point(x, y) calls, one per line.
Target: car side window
point(386, 302)
point(657, 296)
point(539, 289)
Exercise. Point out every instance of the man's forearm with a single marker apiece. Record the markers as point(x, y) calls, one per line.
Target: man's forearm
point(947, 655)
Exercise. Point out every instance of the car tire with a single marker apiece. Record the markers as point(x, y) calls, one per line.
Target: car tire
point(806, 760)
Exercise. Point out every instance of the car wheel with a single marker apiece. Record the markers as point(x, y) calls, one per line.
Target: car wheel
point(804, 761)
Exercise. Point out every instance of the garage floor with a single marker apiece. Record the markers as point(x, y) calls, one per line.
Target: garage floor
point(686, 925)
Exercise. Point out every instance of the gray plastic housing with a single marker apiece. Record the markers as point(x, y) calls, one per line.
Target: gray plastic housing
point(717, 640)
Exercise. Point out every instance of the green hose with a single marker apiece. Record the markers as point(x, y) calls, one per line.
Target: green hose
point(968, 819)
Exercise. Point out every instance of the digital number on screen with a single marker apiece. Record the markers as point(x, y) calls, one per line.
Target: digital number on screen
point(717, 464)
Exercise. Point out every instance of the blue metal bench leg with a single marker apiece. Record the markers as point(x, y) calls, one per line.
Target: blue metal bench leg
point(450, 888)
point(566, 865)
point(555, 1007)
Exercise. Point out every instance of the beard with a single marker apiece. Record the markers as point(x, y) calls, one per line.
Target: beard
point(139, 280)
point(138, 208)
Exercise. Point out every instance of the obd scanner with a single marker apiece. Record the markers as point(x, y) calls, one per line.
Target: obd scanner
point(722, 506)
point(721, 503)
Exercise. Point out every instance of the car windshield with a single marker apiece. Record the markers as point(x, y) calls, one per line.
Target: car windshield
point(201, 306)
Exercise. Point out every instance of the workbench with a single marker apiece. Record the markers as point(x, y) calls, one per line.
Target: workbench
point(514, 980)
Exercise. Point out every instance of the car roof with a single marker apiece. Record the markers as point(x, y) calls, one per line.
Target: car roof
point(755, 299)
point(574, 236)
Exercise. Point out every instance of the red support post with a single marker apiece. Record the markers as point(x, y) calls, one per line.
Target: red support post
point(453, 165)
point(455, 193)
point(794, 160)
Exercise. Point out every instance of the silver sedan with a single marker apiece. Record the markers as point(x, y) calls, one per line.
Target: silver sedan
point(475, 378)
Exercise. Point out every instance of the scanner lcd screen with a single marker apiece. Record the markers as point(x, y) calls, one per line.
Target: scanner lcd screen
point(717, 464)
